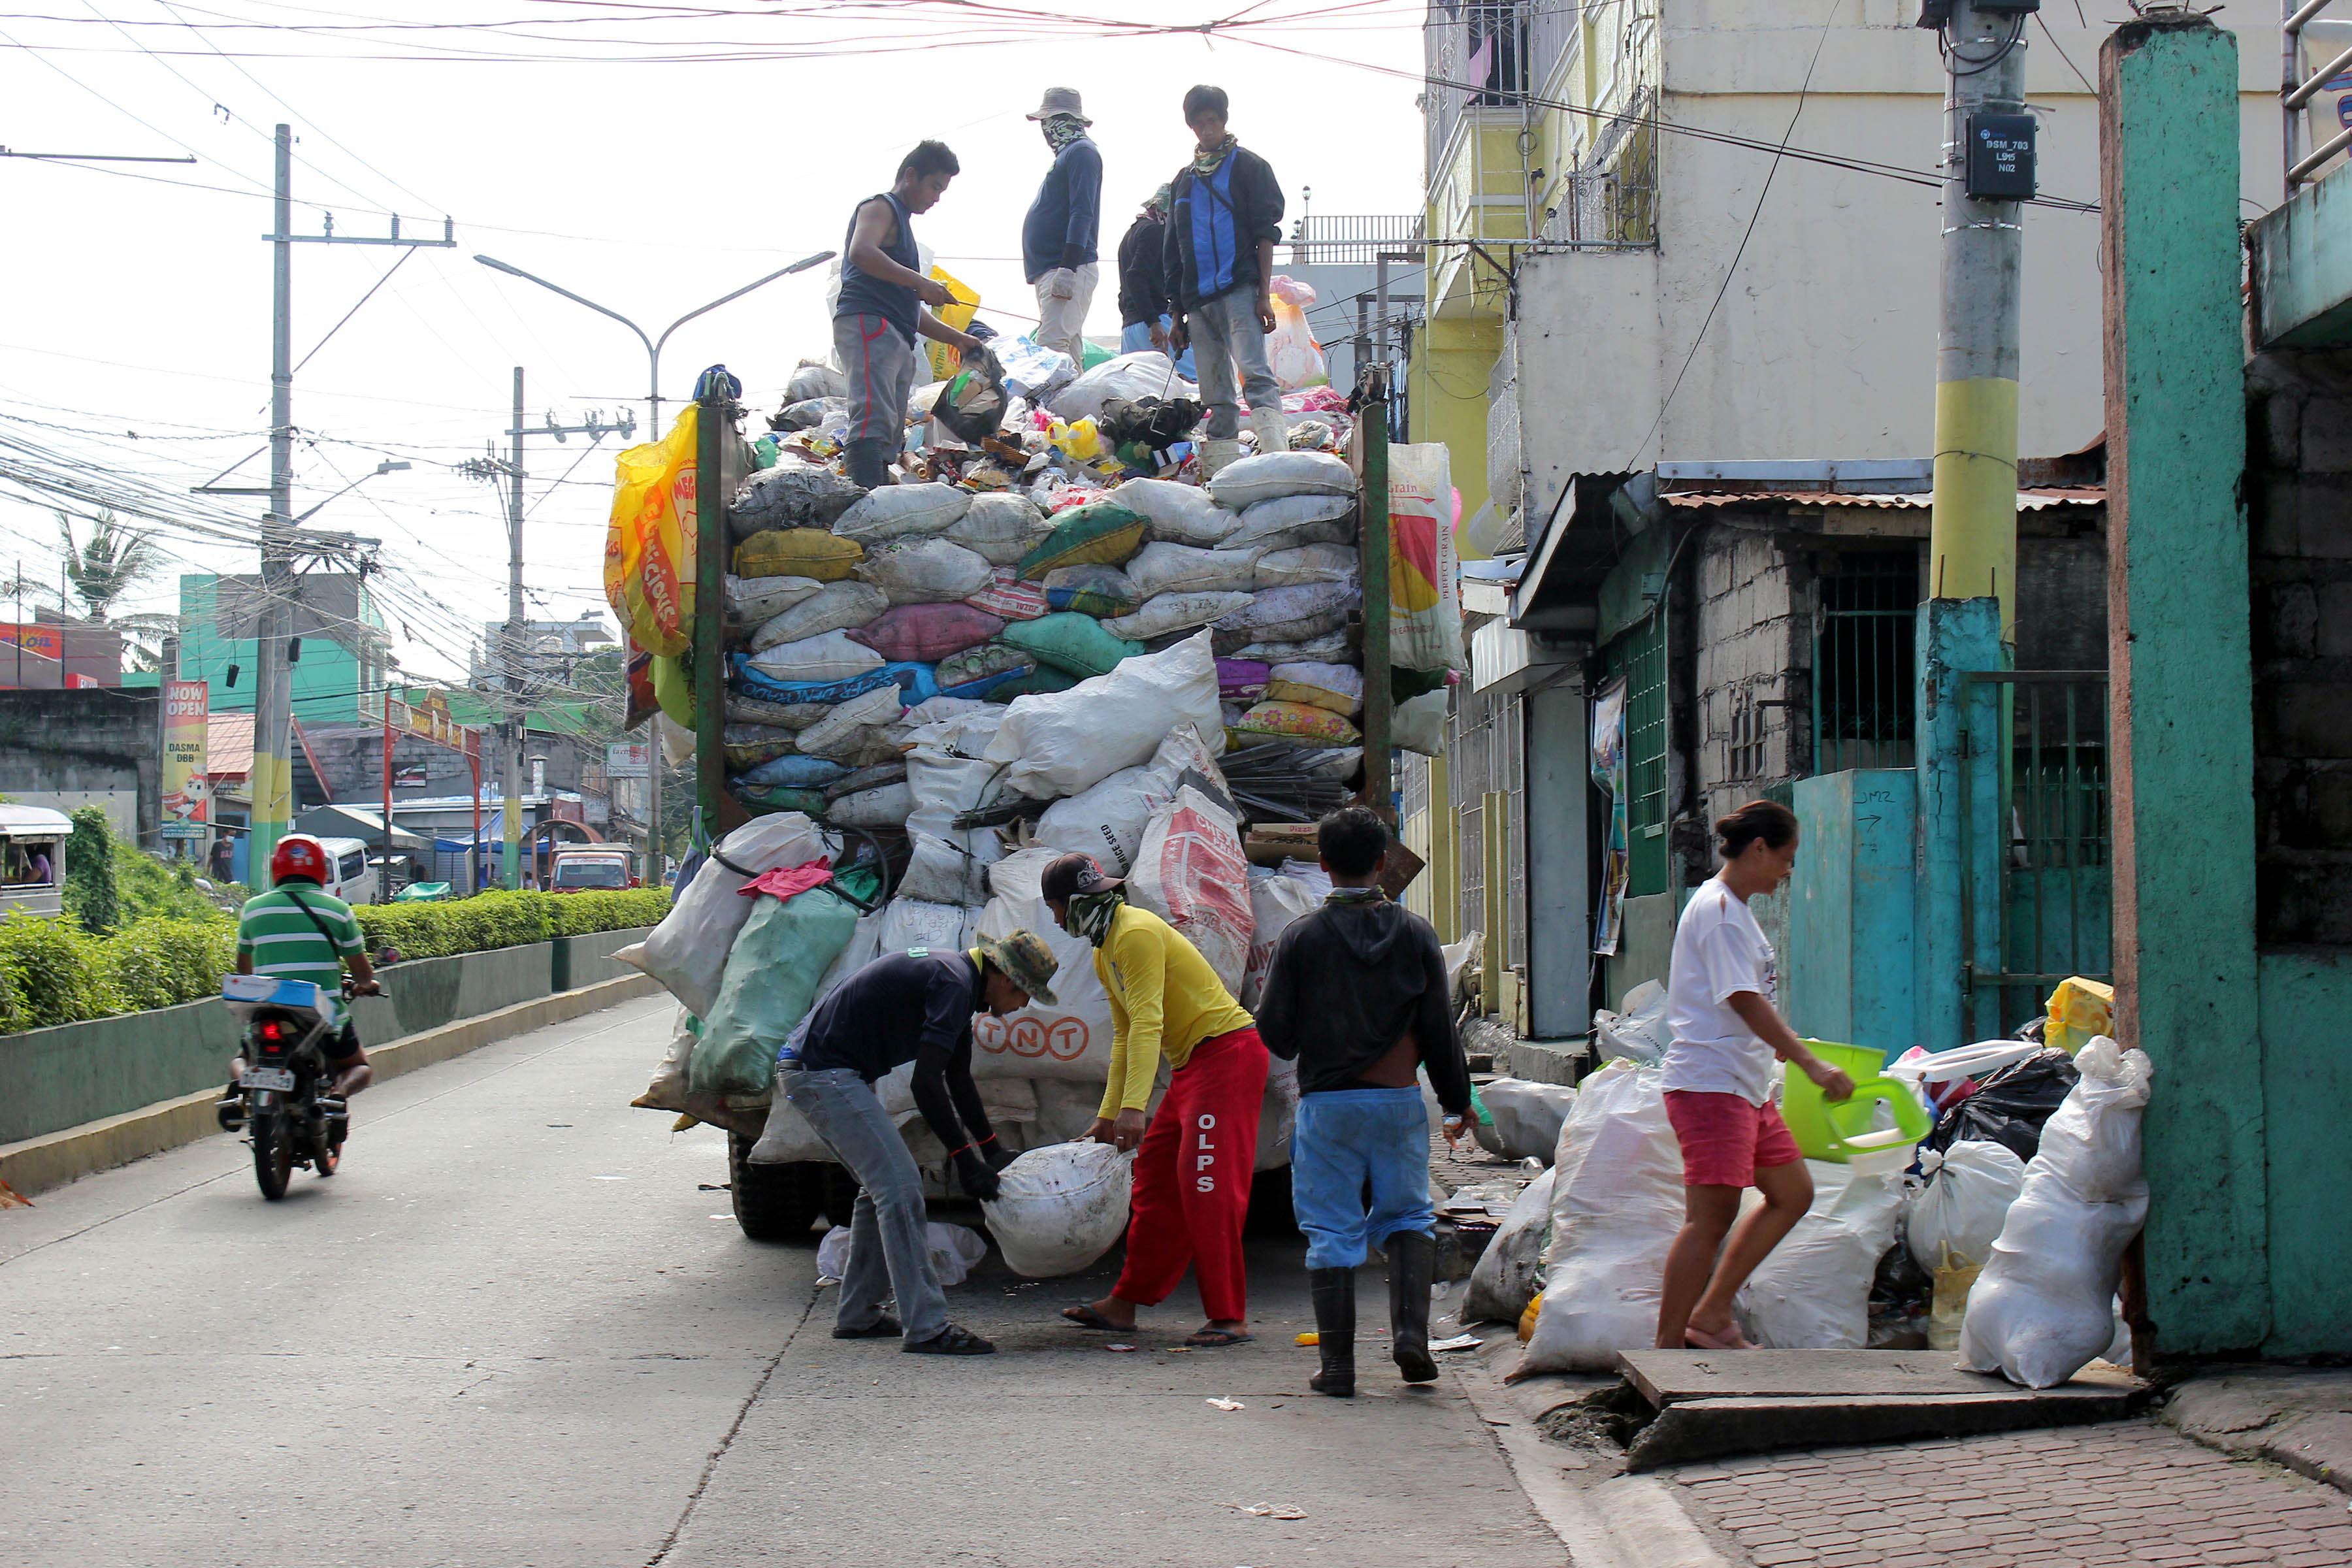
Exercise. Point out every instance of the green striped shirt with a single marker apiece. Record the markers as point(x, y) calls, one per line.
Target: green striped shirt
point(282, 942)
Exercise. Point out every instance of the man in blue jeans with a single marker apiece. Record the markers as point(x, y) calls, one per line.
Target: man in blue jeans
point(1224, 215)
point(1357, 995)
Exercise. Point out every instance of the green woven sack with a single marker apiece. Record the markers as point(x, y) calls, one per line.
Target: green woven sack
point(1041, 682)
point(1070, 640)
point(1098, 533)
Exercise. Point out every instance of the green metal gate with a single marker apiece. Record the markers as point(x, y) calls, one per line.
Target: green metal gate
point(2051, 864)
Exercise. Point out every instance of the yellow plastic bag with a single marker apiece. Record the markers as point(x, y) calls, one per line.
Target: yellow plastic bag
point(2079, 1009)
point(963, 300)
point(649, 547)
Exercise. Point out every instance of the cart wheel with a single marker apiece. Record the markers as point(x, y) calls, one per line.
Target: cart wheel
point(774, 1203)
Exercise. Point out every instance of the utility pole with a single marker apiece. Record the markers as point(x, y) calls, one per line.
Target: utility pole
point(511, 472)
point(1989, 157)
point(282, 543)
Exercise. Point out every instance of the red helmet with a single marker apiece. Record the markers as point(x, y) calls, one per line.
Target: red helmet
point(299, 855)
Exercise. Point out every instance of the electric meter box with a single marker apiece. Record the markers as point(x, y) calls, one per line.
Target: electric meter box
point(2000, 156)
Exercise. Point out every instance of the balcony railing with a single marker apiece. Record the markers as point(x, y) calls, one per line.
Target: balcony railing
point(1341, 239)
point(2296, 90)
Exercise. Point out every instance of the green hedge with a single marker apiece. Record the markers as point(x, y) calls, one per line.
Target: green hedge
point(51, 972)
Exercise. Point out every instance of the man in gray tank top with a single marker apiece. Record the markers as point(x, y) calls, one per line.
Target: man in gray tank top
point(880, 310)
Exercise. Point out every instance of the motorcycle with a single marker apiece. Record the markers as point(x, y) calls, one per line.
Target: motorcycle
point(280, 1095)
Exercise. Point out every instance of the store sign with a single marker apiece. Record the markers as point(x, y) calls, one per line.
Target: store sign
point(187, 791)
point(627, 760)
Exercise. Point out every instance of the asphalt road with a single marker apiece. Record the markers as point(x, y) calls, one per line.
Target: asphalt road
point(514, 1332)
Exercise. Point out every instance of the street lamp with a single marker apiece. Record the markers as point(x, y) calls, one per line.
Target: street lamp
point(653, 345)
point(382, 467)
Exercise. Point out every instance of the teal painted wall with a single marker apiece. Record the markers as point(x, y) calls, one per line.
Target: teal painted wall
point(1956, 636)
point(1645, 945)
point(2182, 679)
point(2306, 997)
point(328, 677)
point(1851, 961)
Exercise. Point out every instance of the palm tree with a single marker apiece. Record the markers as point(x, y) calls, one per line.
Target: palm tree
point(110, 563)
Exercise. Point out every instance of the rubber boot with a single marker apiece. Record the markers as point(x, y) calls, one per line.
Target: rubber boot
point(1272, 430)
point(869, 461)
point(1412, 1266)
point(1333, 1291)
point(1216, 453)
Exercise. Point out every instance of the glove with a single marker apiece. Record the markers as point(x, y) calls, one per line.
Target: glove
point(998, 1156)
point(976, 1179)
point(1061, 283)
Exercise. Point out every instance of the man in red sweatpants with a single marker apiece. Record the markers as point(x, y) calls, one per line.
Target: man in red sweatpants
point(1192, 1173)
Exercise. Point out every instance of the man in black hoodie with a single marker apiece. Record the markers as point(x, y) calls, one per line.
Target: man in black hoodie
point(1358, 995)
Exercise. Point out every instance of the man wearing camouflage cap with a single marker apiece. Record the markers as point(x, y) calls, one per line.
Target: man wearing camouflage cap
point(911, 1006)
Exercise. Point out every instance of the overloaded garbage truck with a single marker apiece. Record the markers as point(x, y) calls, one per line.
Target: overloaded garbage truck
point(902, 704)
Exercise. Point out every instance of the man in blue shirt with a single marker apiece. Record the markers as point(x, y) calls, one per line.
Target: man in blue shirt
point(1059, 236)
point(1224, 216)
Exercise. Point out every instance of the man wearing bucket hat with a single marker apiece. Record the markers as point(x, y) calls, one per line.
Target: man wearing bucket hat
point(1195, 1155)
point(1059, 236)
point(912, 1006)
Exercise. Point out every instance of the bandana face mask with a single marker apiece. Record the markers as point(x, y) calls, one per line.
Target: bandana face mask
point(1061, 129)
point(1091, 913)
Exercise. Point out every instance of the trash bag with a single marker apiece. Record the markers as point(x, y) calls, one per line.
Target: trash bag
point(793, 494)
point(807, 414)
point(971, 406)
point(955, 1250)
point(1097, 532)
point(932, 631)
point(1418, 723)
point(836, 735)
point(827, 657)
point(1032, 371)
point(1339, 687)
point(813, 378)
point(1616, 1206)
point(912, 922)
point(1007, 597)
point(1190, 872)
point(2010, 1105)
point(1291, 351)
point(1102, 591)
point(1059, 1208)
point(1000, 527)
point(1165, 613)
point(1176, 513)
point(1293, 565)
point(1307, 610)
point(754, 601)
point(1059, 744)
point(948, 863)
point(1340, 646)
point(930, 571)
point(688, 950)
point(792, 770)
point(1270, 474)
point(1071, 640)
point(1639, 1033)
point(1424, 587)
point(1131, 378)
point(2043, 1308)
point(1069, 1041)
point(667, 1090)
point(1510, 1272)
point(797, 553)
point(888, 807)
point(978, 672)
point(649, 545)
point(1812, 1292)
point(1297, 722)
point(1527, 1116)
point(1958, 1214)
point(903, 512)
point(1159, 568)
point(772, 970)
point(1275, 902)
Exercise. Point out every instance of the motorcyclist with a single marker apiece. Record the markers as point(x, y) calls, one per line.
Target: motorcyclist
point(299, 930)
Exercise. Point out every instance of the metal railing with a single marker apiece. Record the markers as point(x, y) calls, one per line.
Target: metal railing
point(2296, 90)
point(1864, 685)
point(2054, 883)
point(1343, 238)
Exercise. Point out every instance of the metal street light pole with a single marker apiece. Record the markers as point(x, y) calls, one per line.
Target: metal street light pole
point(654, 424)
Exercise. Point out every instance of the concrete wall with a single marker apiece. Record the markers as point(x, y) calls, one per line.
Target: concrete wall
point(93, 739)
point(2306, 1094)
point(61, 1077)
point(1645, 946)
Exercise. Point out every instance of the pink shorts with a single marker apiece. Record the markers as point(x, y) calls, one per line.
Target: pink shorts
point(1726, 1141)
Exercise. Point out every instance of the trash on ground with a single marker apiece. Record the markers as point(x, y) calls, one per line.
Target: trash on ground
point(1226, 1404)
point(1457, 1343)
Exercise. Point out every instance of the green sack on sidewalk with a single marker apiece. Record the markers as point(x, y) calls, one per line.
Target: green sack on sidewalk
point(772, 971)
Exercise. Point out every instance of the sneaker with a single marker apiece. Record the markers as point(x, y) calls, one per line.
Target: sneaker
point(950, 1340)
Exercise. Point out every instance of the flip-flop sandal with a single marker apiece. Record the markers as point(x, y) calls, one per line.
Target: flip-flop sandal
point(1700, 1339)
point(1081, 1314)
point(1217, 1339)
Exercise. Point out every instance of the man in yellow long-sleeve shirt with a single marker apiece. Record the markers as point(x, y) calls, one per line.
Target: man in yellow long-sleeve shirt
point(1192, 1173)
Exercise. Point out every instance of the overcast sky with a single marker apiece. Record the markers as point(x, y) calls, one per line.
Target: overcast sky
point(650, 184)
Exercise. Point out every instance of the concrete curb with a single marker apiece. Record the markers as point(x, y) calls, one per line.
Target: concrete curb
point(35, 1164)
point(2300, 1417)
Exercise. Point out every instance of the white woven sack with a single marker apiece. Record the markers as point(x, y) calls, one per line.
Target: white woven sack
point(1190, 872)
point(888, 807)
point(1812, 1292)
point(1059, 1208)
point(903, 512)
point(1176, 513)
point(1166, 613)
point(1275, 902)
point(914, 922)
point(1510, 1271)
point(1107, 818)
point(1344, 679)
point(829, 655)
point(753, 600)
point(1144, 373)
point(1068, 1042)
point(1158, 569)
point(838, 733)
point(1000, 527)
point(1960, 1211)
point(1306, 563)
point(835, 606)
point(1332, 646)
point(688, 950)
point(949, 865)
point(924, 571)
point(1269, 475)
point(1059, 743)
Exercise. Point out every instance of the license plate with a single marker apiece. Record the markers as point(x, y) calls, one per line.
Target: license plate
point(267, 1077)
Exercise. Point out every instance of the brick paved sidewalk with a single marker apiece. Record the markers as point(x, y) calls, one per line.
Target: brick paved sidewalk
point(2131, 1492)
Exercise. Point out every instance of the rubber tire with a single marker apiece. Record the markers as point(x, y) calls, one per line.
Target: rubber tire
point(273, 1153)
point(841, 1192)
point(774, 1203)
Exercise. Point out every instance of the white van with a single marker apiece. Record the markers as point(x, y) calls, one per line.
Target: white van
point(32, 859)
point(349, 876)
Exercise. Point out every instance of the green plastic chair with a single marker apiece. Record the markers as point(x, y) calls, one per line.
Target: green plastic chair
point(1840, 1132)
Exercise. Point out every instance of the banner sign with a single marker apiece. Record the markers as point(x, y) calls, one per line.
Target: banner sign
point(187, 789)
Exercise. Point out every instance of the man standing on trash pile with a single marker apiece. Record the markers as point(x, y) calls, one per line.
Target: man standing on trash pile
point(1224, 214)
point(881, 311)
point(1143, 278)
point(1719, 1078)
point(1358, 993)
point(1192, 1173)
point(913, 1006)
point(1059, 236)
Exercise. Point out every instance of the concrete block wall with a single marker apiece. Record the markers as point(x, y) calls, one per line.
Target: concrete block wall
point(89, 738)
point(1754, 644)
point(2299, 516)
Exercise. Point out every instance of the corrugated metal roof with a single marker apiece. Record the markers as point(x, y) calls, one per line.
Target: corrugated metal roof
point(2027, 500)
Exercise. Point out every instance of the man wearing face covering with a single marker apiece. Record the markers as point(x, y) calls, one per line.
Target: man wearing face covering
point(1058, 238)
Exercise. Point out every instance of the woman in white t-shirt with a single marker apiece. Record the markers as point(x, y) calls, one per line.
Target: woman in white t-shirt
point(1719, 1074)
